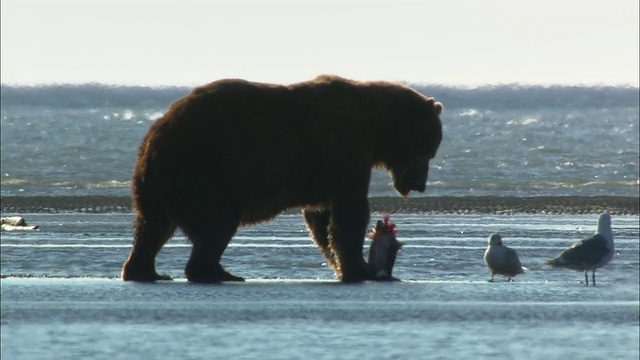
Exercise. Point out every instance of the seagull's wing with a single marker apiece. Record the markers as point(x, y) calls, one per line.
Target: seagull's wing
point(583, 254)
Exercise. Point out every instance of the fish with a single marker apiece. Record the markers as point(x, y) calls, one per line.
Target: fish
point(383, 250)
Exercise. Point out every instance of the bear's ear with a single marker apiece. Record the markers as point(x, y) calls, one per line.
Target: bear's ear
point(438, 108)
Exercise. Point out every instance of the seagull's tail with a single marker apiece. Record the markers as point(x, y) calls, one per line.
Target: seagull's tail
point(524, 269)
point(556, 261)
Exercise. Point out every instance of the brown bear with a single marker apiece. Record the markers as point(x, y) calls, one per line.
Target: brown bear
point(235, 153)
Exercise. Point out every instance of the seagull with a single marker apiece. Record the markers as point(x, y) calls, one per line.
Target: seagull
point(501, 259)
point(588, 254)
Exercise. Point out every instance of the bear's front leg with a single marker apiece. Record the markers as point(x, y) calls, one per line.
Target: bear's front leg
point(347, 229)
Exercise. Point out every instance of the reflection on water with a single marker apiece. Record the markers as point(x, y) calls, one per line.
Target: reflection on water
point(62, 298)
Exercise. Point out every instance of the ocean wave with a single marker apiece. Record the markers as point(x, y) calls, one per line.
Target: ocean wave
point(526, 185)
point(511, 140)
point(108, 184)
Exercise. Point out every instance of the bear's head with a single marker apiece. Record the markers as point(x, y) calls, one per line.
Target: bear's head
point(408, 161)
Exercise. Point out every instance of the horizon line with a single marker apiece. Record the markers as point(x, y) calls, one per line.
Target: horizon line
point(405, 82)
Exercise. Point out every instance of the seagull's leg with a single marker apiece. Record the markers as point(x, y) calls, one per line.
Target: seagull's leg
point(509, 279)
point(593, 277)
point(586, 278)
point(491, 280)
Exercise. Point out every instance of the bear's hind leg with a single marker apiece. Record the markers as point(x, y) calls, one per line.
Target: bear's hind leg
point(151, 232)
point(210, 237)
point(318, 227)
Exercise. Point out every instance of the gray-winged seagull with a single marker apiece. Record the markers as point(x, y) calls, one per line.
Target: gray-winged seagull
point(588, 254)
point(501, 259)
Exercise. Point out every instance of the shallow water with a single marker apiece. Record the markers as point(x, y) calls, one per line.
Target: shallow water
point(61, 297)
point(275, 319)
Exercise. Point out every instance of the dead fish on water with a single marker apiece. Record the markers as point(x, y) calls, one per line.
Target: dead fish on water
point(383, 250)
point(12, 223)
point(501, 259)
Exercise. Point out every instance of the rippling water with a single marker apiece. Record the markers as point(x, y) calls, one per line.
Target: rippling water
point(509, 140)
point(61, 297)
point(438, 247)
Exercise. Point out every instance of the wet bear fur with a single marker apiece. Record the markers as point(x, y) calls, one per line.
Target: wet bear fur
point(234, 153)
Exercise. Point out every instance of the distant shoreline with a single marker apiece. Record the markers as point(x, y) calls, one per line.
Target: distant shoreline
point(508, 205)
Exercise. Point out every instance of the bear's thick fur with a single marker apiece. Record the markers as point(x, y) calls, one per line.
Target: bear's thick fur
point(234, 153)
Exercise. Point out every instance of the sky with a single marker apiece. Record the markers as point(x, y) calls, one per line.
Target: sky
point(447, 42)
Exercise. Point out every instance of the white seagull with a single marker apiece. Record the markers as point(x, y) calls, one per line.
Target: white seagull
point(589, 254)
point(501, 259)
